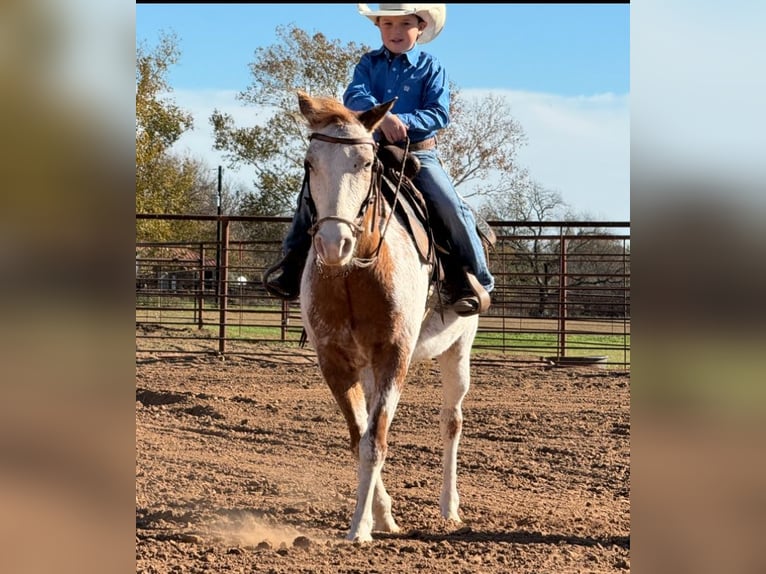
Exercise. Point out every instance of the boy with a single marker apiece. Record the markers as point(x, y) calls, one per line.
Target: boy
point(401, 69)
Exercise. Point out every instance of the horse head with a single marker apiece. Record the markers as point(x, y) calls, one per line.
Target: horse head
point(340, 166)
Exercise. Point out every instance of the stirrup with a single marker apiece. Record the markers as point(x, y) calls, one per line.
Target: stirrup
point(472, 304)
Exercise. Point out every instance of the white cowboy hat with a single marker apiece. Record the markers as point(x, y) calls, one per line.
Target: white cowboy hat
point(434, 15)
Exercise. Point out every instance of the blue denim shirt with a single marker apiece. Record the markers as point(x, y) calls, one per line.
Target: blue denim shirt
point(416, 78)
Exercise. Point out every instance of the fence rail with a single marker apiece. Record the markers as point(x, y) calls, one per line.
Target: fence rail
point(562, 290)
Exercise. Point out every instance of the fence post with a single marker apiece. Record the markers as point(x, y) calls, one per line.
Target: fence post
point(201, 288)
point(223, 284)
point(562, 346)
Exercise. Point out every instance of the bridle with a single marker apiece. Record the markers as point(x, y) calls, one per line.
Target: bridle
point(373, 197)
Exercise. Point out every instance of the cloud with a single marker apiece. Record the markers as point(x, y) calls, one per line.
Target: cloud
point(578, 146)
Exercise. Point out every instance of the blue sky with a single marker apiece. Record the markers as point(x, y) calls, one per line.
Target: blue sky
point(565, 69)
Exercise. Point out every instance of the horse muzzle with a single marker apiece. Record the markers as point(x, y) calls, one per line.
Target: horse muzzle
point(335, 240)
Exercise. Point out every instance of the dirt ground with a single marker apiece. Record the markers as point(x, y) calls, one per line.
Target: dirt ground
point(242, 465)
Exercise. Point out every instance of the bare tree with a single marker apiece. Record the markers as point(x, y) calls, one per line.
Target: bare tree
point(480, 147)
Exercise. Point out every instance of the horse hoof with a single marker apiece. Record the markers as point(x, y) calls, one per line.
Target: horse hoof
point(392, 528)
point(386, 525)
point(361, 538)
point(452, 517)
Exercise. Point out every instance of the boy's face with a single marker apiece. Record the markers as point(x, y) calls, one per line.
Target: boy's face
point(399, 33)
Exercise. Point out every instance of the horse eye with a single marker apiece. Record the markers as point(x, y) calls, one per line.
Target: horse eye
point(307, 165)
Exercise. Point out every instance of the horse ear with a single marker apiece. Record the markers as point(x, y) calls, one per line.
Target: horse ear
point(306, 105)
point(372, 117)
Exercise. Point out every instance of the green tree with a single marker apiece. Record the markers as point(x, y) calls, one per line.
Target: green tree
point(163, 180)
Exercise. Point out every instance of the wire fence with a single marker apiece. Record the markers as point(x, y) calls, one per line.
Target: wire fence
point(562, 290)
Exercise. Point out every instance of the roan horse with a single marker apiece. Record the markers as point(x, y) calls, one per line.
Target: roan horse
point(364, 305)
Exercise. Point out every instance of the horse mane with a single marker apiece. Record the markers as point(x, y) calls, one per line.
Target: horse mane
point(329, 111)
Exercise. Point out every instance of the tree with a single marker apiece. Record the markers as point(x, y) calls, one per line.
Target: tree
point(163, 180)
point(480, 147)
point(598, 276)
point(275, 149)
point(595, 266)
point(531, 258)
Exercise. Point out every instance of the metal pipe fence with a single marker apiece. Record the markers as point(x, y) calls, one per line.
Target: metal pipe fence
point(562, 291)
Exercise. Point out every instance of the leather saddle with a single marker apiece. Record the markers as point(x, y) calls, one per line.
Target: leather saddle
point(430, 237)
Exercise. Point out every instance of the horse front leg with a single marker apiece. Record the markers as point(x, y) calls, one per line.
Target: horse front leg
point(373, 506)
point(353, 404)
point(350, 397)
point(455, 368)
point(382, 517)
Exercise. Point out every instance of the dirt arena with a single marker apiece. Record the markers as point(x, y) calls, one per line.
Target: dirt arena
point(242, 465)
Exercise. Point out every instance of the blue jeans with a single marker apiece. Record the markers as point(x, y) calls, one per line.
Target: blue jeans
point(298, 238)
point(434, 183)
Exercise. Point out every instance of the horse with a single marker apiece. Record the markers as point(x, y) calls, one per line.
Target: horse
point(365, 307)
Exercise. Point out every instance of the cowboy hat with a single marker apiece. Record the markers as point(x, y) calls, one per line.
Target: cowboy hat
point(434, 15)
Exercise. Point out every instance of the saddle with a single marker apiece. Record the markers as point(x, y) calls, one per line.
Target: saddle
point(430, 237)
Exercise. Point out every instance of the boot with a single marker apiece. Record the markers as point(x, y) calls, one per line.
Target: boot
point(466, 296)
point(288, 283)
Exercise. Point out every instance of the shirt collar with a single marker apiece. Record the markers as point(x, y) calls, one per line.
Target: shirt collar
point(412, 56)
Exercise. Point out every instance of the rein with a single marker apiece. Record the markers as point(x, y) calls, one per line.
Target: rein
point(373, 196)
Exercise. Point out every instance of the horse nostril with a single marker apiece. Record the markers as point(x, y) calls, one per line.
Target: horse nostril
point(318, 245)
point(346, 248)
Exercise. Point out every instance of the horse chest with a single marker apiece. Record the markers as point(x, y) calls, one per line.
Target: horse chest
point(352, 303)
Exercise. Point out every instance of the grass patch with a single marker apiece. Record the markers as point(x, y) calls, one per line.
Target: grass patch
point(615, 347)
point(518, 337)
